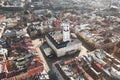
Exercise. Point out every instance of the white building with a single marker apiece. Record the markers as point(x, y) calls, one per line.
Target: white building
point(62, 43)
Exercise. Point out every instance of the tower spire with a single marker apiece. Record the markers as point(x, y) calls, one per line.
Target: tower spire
point(66, 32)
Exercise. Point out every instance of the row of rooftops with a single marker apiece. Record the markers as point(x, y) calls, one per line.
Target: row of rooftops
point(97, 29)
point(94, 28)
point(25, 45)
point(97, 64)
point(18, 57)
point(21, 60)
point(100, 31)
point(23, 3)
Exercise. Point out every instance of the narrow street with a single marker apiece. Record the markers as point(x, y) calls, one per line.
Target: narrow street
point(37, 43)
